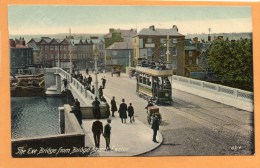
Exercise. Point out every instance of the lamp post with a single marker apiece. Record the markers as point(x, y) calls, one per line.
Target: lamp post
point(95, 51)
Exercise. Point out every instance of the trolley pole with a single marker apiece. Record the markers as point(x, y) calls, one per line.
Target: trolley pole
point(168, 52)
point(96, 69)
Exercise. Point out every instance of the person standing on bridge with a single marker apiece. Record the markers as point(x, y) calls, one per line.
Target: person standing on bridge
point(155, 126)
point(122, 111)
point(96, 108)
point(113, 106)
point(89, 79)
point(76, 110)
point(130, 110)
point(87, 71)
point(100, 91)
point(97, 129)
point(65, 82)
point(104, 82)
point(107, 133)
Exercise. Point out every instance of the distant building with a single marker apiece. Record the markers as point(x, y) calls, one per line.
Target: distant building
point(150, 43)
point(54, 50)
point(100, 45)
point(21, 56)
point(118, 54)
point(192, 52)
point(119, 44)
point(118, 35)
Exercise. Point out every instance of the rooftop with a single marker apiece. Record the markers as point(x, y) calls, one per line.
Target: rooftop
point(121, 45)
point(152, 31)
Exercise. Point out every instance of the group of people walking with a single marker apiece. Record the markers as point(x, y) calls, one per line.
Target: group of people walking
point(123, 110)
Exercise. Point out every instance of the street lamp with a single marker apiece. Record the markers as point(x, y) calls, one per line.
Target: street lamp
point(95, 51)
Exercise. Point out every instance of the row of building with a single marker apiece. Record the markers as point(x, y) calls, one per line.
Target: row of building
point(116, 48)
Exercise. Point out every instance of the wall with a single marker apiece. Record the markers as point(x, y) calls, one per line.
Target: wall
point(73, 137)
point(230, 96)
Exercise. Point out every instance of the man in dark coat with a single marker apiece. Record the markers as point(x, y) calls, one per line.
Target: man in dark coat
point(113, 106)
point(130, 110)
point(155, 127)
point(65, 82)
point(104, 82)
point(107, 133)
point(93, 89)
point(122, 111)
point(77, 104)
point(100, 91)
point(97, 129)
point(89, 80)
point(87, 71)
point(96, 108)
point(77, 112)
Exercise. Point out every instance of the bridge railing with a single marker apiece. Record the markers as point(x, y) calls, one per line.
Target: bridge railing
point(228, 91)
point(79, 86)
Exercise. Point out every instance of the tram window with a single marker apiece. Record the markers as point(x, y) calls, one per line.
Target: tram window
point(144, 80)
point(140, 79)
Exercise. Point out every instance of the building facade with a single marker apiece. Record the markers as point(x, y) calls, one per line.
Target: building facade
point(120, 54)
point(151, 43)
point(21, 56)
point(54, 52)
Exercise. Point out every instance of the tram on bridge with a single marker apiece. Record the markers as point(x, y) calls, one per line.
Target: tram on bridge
point(154, 83)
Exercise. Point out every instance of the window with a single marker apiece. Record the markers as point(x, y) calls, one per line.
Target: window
point(46, 47)
point(190, 62)
point(149, 40)
point(174, 40)
point(174, 64)
point(162, 40)
point(57, 48)
point(190, 53)
point(162, 52)
point(114, 52)
point(174, 51)
point(149, 52)
point(141, 43)
point(51, 48)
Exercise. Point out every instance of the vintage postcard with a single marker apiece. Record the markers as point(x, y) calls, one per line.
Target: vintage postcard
point(139, 81)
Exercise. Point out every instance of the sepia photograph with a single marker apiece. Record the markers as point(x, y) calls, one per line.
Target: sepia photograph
point(142, 81)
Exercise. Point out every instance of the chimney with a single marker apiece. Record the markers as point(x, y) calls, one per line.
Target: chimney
point(175, 27)
point(195, 39)
point(209, 38)
point(152, 27)
point(111, 30)
point(12, 43)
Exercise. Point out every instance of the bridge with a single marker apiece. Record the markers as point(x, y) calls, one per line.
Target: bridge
point(195, 110)
point(230, 96)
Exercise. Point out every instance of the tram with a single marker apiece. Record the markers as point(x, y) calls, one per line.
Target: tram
point(154, 84)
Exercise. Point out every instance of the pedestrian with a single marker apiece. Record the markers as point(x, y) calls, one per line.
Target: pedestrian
point(113, 106)
point(93, 89)
point(100, 91)
point(107, 133)
point(77, 104)
point(87, 71)
point(104, 82)
point(77, 112)
point(130, 110)
point(155, 127)
point(89, 79)
point(122, 111)
point(96, 108)
point(65, 82)
point(97, 129)
point(107, 107)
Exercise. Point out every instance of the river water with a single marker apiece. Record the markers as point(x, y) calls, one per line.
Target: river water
point(35, 116)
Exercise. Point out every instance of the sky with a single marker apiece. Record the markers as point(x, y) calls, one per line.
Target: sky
point(98, 19)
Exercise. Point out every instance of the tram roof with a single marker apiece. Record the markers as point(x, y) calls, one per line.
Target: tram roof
point(154, 72)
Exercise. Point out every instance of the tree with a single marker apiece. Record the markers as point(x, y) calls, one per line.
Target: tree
point(232, 62)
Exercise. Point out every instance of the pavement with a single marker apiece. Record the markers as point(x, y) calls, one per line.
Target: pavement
point(128, 139)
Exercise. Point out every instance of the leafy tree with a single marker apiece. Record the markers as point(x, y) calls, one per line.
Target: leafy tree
point(232, 62)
